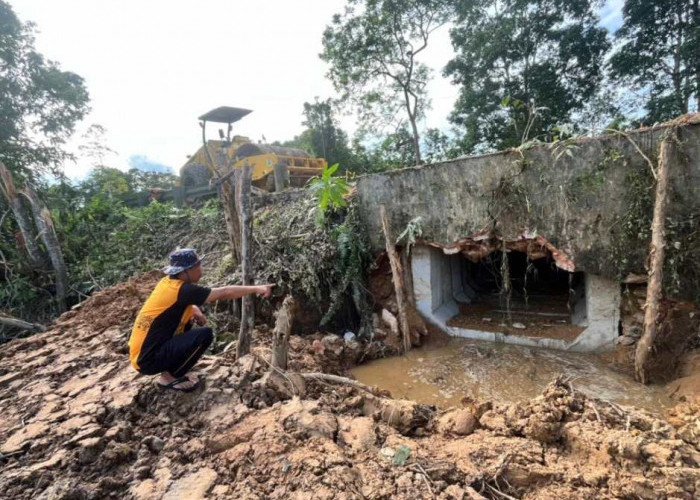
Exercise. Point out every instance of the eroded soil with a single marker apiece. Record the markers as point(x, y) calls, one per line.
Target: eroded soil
point(79, 423)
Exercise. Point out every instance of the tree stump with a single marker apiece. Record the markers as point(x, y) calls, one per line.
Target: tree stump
point(283, 327)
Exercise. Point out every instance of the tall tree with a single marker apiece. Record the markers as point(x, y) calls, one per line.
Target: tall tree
point(659, 54)
point(373, 51)
point(544, 57)
point(327, 138)
point(94, 147)
point(39, 103)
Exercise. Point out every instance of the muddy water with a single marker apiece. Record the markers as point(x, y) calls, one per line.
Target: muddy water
point(498, 372)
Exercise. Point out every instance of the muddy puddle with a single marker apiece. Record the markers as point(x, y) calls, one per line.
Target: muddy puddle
point(444, 375)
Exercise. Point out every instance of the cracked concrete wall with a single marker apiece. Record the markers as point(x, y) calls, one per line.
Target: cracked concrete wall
point(567, 198)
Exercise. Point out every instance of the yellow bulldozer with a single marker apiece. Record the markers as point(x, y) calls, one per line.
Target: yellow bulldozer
point(235, 151)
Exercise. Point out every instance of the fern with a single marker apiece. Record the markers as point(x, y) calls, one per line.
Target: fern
point(413, 231)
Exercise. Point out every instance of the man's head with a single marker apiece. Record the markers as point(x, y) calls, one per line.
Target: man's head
point(184, 265)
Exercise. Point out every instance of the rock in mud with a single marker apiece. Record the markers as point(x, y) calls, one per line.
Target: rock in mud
point(460, 422)
point(153, 443)
point(403, 415)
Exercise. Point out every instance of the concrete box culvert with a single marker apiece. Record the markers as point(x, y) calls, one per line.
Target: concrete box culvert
point(441, 282)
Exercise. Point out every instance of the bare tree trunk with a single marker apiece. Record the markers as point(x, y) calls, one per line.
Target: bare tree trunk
point(47, 231)
point(217, 165)
point(657, 252)
point(280, 337)
point(696, 22)
point(414, 127)
point(398, 280)
point(23, 325)
point(248, 308)
point(22, 217)
point(233, 225)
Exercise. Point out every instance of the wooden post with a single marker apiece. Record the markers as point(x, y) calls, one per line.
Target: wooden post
point(280, 336)
point(281, 177)
point(397, 276)
point(657, 251)
point(44, 221)
point(229, 200)
point(248, 308)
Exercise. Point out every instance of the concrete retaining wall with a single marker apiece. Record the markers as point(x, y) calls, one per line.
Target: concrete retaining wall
point(578, 196)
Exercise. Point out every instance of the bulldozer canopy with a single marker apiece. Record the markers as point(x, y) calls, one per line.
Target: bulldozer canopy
point(225, 114)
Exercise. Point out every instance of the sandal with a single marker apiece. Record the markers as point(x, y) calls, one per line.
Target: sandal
point(173, 385)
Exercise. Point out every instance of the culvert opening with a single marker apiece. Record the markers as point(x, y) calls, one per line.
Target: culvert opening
point(521, 296)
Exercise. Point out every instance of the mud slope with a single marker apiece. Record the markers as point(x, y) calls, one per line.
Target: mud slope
point(78, 423)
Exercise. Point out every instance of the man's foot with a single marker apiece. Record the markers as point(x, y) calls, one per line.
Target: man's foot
point(185, 384)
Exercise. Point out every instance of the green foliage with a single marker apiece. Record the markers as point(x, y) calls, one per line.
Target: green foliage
point(658, 55)
point(632, 231)
point(324, 265)
point(352, 261)
point(39, 103)
point(530, 51)
point(413, 231)
point(439, 146)
point(373, 52)
point(327, 139)
point(103, 242)
point(329, 190)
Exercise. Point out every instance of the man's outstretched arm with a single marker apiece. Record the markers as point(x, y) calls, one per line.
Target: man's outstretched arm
point(236, 292)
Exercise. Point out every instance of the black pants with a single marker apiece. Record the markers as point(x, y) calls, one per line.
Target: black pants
point(179, 354)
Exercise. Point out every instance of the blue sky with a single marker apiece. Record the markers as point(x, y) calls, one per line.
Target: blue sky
point(611, 15)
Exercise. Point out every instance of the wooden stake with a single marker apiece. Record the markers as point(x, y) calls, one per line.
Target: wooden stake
point(398, 280)
point(280, 336)
point(281, 176)
point(248, 307)
point(657, 251)
point(229, 187)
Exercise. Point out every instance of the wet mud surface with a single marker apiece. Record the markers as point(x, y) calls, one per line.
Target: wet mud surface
point(459, 368)
point(79, 424)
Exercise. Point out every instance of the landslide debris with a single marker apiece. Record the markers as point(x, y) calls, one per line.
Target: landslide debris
point(79, 423)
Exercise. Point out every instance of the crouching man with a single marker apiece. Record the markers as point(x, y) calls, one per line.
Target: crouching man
point(163, 339)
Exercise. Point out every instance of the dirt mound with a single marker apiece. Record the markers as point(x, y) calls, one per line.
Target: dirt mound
point(79, 423)
point(114, 306)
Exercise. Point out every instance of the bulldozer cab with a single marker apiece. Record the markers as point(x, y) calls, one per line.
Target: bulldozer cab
point(222, 114)
point(235, 151)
